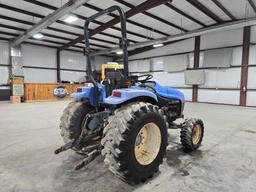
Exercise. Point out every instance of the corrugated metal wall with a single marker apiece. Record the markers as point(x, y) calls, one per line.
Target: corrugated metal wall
point(39, 64)
point(251, 95)
point(4, 61)
point(4, 71)
point(222, 85)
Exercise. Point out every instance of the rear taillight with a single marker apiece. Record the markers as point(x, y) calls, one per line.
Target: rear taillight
point(79, 89)
point(117, 94)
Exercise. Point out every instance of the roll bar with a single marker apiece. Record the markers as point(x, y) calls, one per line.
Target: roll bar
point(124, 41)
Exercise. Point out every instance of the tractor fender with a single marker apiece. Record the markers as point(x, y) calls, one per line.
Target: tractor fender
point(132, 94)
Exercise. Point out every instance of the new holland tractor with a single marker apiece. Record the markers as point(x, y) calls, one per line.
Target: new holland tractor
point(125, 118)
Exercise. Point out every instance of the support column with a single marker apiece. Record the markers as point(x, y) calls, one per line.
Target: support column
point(245, 62)
point(58, 66)
point(196, 65)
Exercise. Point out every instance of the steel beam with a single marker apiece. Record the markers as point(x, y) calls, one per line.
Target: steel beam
point(148, 48)
point(231, 16)
point(216, 28)
point(205, 10)
point(245, 62)
point(84, 18)
point(185, 14)
point(48, 20)
point(58, 66)
point(196, 66)
point(153, 16)
point(128, 21)
point(252, 5)
point(138, 9)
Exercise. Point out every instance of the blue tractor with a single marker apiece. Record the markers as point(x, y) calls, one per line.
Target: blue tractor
point(125, 118)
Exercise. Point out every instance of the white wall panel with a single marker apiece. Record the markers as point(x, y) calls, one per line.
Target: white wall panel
point(252, 78)
point(143, 65)
point(179, 47)
point(210, 78)
point(253, 34)
point(4, 53)
point(251, 98)
point(4, 75)
point(140, 66)
point(222, 39)
point(72, 76)
point(170, 79)
point(252, 55)
point(39, 75)
point(156, 64)
point(191, 59)
point(219, 96)
point(237, 56)
point(72, 60)
point(225, 78)
point(176, 63)
point(98, 61)
point(229, 78)
point(218, 58)
point(133, 66)
point(38, 56)
point(187, 93)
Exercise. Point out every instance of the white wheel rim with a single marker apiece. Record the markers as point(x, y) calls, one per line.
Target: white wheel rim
point(147, 144)
point(196, 134)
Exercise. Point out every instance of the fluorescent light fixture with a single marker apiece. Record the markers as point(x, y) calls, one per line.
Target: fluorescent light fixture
point(38, 36)
point(158, 45)
point(70, 18)
point(119, 52)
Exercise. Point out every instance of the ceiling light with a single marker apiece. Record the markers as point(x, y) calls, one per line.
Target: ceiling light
point(70, 19)
point(119, 52)
point(38, 36)
point(158, 45)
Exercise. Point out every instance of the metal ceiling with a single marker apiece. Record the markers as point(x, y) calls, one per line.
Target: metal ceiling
point(164, 20)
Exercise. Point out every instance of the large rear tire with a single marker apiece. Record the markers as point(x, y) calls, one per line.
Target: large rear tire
point(135, 141)
point(72, 120)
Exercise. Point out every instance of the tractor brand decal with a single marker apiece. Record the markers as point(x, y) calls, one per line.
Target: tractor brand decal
point(60, 92)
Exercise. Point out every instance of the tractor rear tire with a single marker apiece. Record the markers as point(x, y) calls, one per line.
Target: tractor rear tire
point(192, 134)
point(135, 141)
point(72, 120)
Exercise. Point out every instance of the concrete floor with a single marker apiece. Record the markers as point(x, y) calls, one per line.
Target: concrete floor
point(225, 162)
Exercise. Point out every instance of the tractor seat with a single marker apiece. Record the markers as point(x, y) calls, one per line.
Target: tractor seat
point(112, 81)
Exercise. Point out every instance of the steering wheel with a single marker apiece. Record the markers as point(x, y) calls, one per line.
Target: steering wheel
point(147, 77)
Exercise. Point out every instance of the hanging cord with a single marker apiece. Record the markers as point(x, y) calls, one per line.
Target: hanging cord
point(181, 23)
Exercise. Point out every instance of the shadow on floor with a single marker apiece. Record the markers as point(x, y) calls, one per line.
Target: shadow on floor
point(179, 158)
point(95, 177)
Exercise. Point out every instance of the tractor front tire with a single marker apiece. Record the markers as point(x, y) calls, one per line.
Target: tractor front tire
point(72, 120)
point(192, 134)
point(135, 141)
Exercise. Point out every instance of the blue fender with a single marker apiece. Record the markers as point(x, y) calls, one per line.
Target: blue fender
point(89, 94)
point(84, 94)
point(129, 94)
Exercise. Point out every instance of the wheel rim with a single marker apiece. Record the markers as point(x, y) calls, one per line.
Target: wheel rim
point(196, 134)
point(147, 144)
